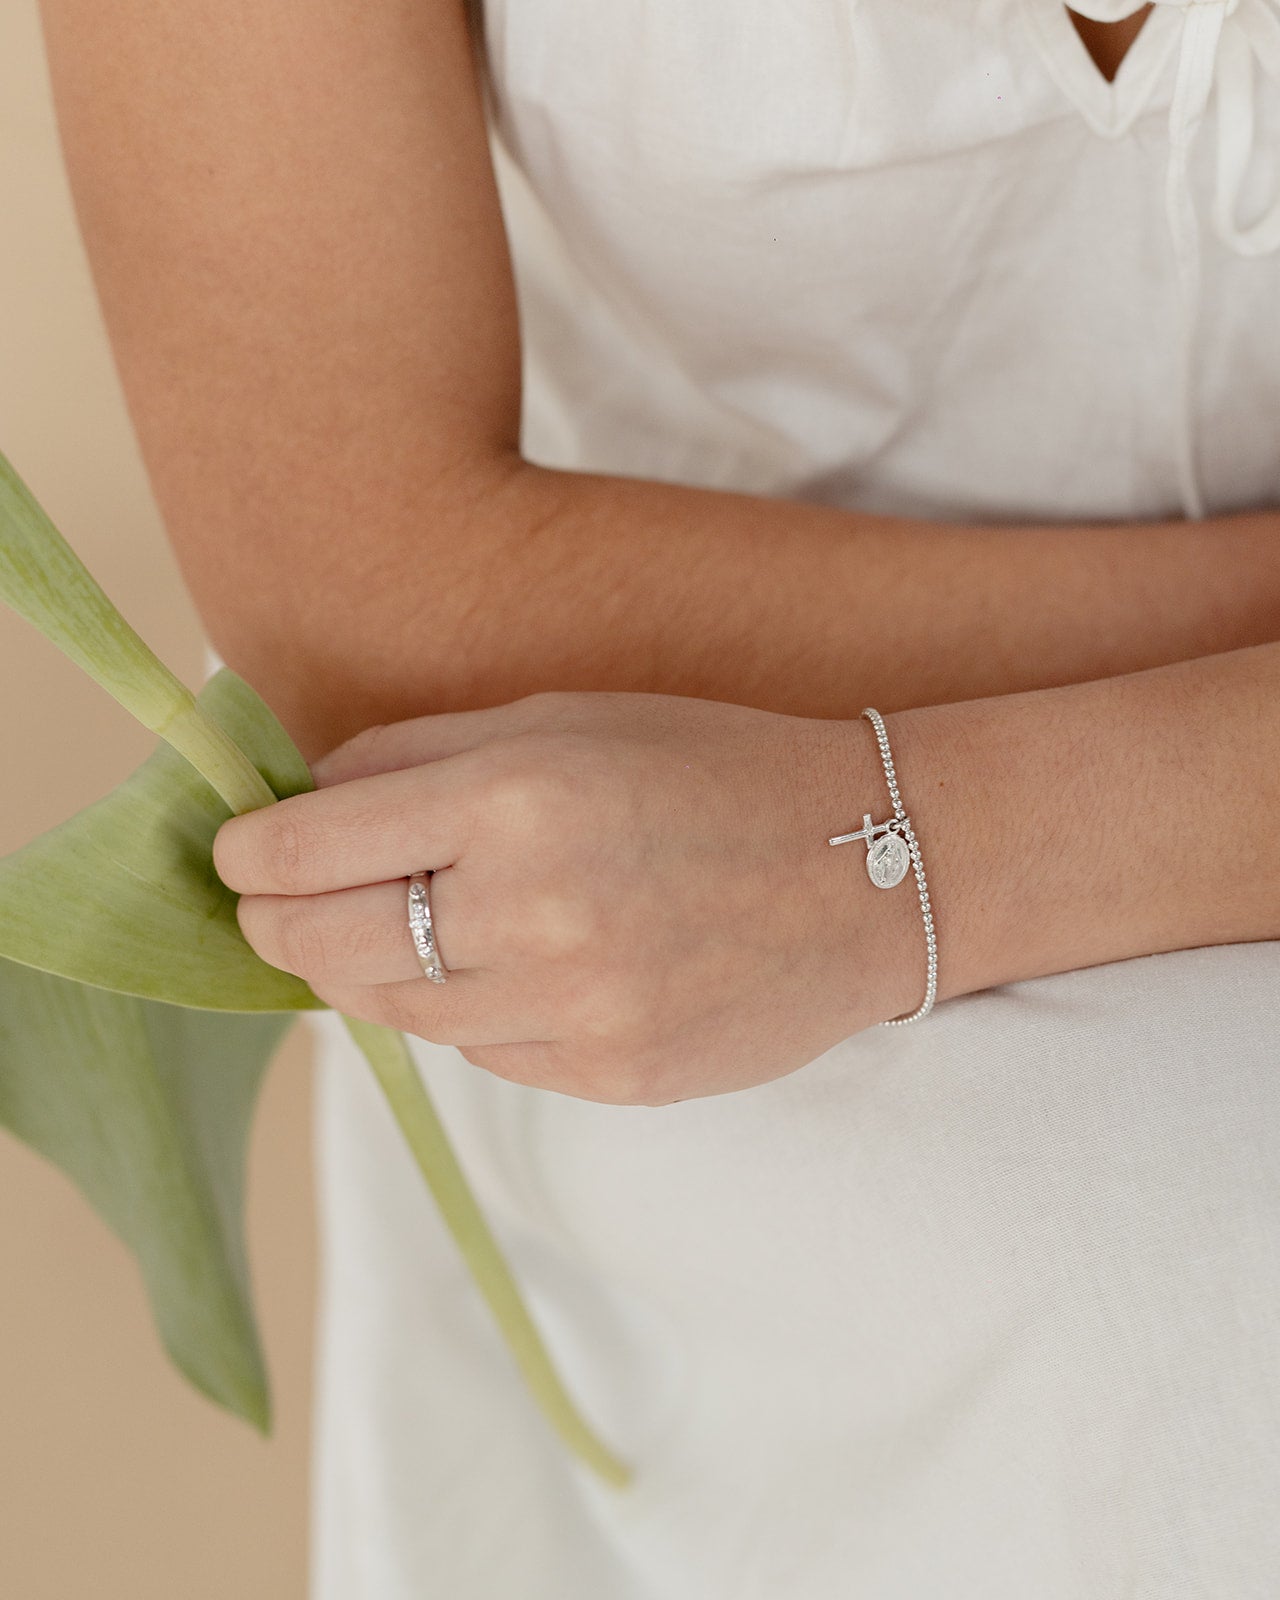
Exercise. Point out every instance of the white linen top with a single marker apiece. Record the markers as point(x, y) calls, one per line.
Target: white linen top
point(987, 1307)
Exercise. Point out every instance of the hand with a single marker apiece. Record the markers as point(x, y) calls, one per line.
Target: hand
point(633, 894)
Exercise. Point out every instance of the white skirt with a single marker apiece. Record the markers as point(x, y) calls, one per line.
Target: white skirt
point(987, 1308)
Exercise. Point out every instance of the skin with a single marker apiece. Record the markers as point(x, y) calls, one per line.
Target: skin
point(305, 279)
point(1108, 42)
point(624, 890)
point(637, 901)
point(308, 291)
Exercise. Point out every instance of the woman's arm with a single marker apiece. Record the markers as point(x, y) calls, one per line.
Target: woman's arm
point(1067, 827)
point(293, 224)
point(638, 903)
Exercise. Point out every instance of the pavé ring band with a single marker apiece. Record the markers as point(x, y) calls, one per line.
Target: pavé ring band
point(423, 929)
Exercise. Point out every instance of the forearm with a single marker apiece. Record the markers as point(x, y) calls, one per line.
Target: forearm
point(522, 578)
point(295, 233)
point(1067, 827)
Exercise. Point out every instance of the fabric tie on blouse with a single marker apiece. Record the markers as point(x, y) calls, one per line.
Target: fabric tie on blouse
point(1221, 42)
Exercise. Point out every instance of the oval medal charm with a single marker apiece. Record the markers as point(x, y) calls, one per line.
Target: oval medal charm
point(888, 860)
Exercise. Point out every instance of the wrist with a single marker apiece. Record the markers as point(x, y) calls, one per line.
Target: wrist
point(1055, 825)
point(879, 934)
point(951, 762)
point(1068, 827)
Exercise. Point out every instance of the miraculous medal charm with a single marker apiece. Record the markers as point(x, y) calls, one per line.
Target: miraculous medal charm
point(887, 855)
point(892, 847)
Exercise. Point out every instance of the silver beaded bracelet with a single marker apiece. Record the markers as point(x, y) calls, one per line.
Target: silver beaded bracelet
point(891, 848)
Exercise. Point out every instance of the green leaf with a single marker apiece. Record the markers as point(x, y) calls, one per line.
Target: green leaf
point(43, 578)
point(147, 1108)
point(124, 895)
point(115, 922)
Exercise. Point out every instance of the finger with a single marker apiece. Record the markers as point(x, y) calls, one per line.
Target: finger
point(465, 1010)
point(359, 936)
point(387, 747)
point(366, 831)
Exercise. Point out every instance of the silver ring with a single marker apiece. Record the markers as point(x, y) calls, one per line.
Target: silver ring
point(423, 929)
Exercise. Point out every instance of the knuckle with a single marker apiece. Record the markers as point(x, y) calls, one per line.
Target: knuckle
point(303, 943)
point(561, 923)
point(521, 798)
point(289, 849)
point(610, 1012)
point(436, 1029)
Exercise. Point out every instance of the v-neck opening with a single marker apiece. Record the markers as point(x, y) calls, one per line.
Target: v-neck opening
point(1110, 108)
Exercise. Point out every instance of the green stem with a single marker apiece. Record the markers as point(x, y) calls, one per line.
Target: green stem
point(217, 758)
point(44, 580)
point(388, 1055)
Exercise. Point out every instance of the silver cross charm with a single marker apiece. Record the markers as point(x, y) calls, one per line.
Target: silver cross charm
point(887, 857)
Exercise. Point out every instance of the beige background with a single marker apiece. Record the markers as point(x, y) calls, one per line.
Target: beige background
point(116, 1478)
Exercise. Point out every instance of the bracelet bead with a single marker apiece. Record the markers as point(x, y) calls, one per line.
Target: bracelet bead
point(886, 866)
